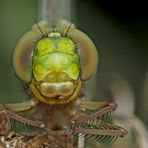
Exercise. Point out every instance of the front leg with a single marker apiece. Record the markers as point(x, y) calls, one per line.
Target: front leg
point(94, 122)
point(94, 110)
point(22, 106)
point(6, 117)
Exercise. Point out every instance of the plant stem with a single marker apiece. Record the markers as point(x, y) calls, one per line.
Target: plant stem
point(53, 11)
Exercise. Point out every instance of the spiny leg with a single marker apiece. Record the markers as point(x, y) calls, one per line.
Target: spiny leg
point(7, 116)
point(96, 124)
point(99, 111)
point(103, 132)
point(113, 130)
point(15, 116)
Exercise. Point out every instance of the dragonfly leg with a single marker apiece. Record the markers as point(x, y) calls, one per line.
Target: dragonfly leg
point(100, 109)
point(91, 104)
point(15, 116)
point(112, 131)
point(94, 122)
point(22, 106)
point(5, 121)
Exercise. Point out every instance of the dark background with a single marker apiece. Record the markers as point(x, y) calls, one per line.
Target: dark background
point(119, 30)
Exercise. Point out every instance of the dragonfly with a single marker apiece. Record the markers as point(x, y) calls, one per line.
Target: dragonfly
point(54, 62)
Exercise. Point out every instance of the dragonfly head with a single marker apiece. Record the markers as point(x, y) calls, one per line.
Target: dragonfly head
point(56, 66)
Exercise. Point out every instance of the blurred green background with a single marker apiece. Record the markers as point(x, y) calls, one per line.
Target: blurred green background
point(119, 30)
point(16, 18)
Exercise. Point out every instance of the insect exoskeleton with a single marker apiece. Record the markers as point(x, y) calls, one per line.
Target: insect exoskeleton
point(55, 61)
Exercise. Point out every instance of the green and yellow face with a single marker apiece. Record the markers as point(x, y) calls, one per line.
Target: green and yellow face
point(54, 67)
point(55, 59)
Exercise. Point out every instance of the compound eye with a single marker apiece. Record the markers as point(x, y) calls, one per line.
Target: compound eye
point(87, 51)
point(22, 55)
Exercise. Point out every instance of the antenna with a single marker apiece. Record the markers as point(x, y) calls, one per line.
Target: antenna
point(68, 29)
point(38, 26)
